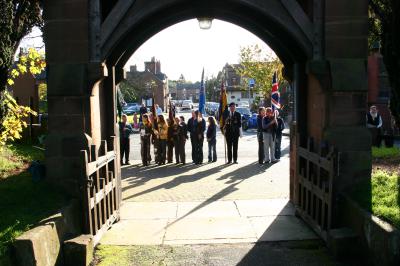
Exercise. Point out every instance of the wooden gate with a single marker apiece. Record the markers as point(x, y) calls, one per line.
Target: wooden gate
point(315, 174)
point(102, 193)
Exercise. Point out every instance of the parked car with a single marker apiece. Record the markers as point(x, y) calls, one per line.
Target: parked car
point(131, 110)
point(246, 114)
point(244, 104)
point(187, 104)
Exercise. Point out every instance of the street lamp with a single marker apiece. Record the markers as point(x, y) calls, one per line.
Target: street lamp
point(205, 23)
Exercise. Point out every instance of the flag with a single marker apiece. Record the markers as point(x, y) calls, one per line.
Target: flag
point(202, 101)
point(171, 112)
point(223, 105)
point(275, 95)
point(154, 111)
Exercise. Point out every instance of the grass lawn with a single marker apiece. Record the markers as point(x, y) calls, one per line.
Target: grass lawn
point(23, 202)
point(381, 194)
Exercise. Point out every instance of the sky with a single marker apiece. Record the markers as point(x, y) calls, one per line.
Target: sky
point(185, 49)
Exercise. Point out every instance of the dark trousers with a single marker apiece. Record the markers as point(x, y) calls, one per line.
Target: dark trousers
point(260, 148)
point(198, 150)
point(170, 150)
point(181, 151)
point(125, 149)
point(162, 150)
point(232, 145)
point(278, 141)
point(212, 151)
point(145, 150)
point(192, 142)
point(177, 149)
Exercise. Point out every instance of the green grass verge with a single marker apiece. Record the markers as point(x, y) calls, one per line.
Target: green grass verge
point(384, 152)
point(23, 202)
point(381, 196)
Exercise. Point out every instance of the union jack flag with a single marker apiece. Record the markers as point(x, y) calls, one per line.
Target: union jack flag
point(275, 95)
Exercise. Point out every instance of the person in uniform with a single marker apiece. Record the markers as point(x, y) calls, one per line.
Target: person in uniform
point(269, 124)
point(260, 116)
point(182, 139)
point(125, 130)
point(212, 139)
point(162, 134)
point(374, 124)
point(232, 127)
point(176, 137)
point(154, 137)
point(280, 126)
point(191, 130)
point(146, 130)
point(142, 111)
point(170, 140)
point(199, 126)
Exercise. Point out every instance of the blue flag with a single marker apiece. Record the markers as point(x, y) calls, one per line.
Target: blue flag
point(202, 101)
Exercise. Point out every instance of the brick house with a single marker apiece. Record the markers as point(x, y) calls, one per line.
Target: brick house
point(151, 81)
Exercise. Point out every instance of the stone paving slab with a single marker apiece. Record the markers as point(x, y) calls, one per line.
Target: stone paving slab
point(207, 209)
point(191, 229)
point(148, 210)
point(240, 221)
point(264, 207)
point(136, 232)
point(281, 228)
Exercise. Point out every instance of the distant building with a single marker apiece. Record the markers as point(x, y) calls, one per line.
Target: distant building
point(236, 89)
point(379, 89)
point(151, 81)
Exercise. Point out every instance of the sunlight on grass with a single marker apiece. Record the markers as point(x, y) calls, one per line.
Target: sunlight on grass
point(23, 202)
point(384, 152)
point(381, 196)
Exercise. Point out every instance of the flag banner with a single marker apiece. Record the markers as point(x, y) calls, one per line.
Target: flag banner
point(154, 112)
point(275, 95)
point(171, 112)
point(202, 99)
point(223, 105)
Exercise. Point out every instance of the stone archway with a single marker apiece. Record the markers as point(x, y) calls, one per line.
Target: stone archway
point(323, 45)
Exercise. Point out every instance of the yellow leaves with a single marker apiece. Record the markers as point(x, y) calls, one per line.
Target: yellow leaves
point(12, 124)
point(32, 61)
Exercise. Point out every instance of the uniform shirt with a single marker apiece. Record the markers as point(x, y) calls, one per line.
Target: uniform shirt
point(233, 123)
point(163, 131)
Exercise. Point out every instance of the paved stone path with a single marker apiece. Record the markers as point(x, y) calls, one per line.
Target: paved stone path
point(209, 203)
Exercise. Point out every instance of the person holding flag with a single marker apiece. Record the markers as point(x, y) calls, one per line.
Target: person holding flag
point(275, 95)
point(202, 99)
point(223, 108)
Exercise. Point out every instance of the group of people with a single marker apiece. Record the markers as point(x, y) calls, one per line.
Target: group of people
point(269, 134)
point(169, 135)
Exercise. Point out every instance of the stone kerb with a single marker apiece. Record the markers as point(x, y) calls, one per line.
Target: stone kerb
point(42, 245)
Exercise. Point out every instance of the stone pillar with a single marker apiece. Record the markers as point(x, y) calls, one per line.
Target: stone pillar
point(66, 36)
point(346, 31)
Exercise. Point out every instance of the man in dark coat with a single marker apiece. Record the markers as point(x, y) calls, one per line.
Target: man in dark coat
point(374, 124)
point(125, 130)
point(278, 134)
point(191, 130)
point(233, 124)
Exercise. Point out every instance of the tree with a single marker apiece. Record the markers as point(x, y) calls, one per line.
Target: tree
point(256, 64)
point(12, 114)
point(211, 85)
point(130, 92)
point(384, 18)
point(17, 19)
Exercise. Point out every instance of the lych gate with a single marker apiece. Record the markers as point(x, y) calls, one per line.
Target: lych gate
point(322, 43)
